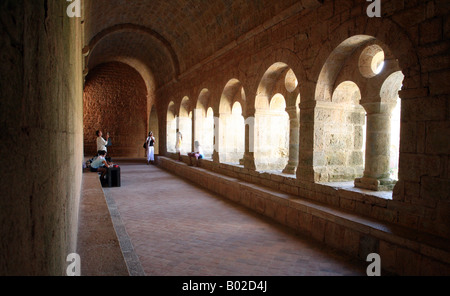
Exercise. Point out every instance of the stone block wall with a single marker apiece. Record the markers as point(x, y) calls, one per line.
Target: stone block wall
point(42, 136)
point(115, 100)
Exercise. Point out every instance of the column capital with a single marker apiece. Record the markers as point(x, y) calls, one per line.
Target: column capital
point(378, 107)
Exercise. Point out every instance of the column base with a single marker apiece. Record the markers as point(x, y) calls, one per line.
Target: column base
point(215, 156)
point(249, 161)
point(290, 169)
point(375, 184)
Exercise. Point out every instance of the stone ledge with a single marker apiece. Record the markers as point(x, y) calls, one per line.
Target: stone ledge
point(98, 245)
point(342, 229)
point(374, 204)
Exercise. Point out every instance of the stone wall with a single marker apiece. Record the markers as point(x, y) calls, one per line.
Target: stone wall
point(115, 100)
point(318, 45)
point(42, 137)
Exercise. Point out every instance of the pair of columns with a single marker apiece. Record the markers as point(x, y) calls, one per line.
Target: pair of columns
point(249, 159)
point(377, 155)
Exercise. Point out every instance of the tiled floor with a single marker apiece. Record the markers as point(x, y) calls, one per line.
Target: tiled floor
point(176, 228)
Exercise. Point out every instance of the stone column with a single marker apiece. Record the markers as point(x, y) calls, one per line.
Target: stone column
point(294, 136)
point(249, 156)
point(215, 155)
point(197, 127)
point(305, 168)
point(376, 172)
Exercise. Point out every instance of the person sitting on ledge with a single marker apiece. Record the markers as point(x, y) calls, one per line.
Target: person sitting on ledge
point(100, 164)
point(197, 154)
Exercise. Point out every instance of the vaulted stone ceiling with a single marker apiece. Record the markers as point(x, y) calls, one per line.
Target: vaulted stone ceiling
point(166, 38)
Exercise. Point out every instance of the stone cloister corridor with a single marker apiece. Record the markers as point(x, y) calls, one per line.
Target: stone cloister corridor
point(324, 123)
point(184, 230)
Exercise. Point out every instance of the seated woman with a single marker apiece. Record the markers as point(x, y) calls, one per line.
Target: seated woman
point(100, 164)
point(197, 154)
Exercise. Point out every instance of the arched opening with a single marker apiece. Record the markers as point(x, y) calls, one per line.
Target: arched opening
point(204, 124)
point(375, 81)
point(343, 124)
point(277, 120)
point(236, 147)
point(231, 127)
point(115, 102)
point(389, 94)
point(153, 126)
point(371, 61)
point(290, 81)
point(277, 132)
point(208, 135)
point(185, 125)
point(171, 127)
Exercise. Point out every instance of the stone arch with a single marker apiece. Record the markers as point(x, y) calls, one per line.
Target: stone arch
point(389, 94)
point(278, 83)
point(287, 57)
point(230, 127)
point(268, 84)
point(134, 28)
point(391, 86)
point(340, 141)
point(204, 100)
point(115, 99)
point(232, 92)
point(344, 62)
point(204, 122)
point(334, 63)
point(185, 124)
point(356, 32)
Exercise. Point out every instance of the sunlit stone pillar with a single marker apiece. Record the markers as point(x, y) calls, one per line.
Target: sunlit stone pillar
point(294, 136)
point(249, 155)
point(376, 172)
point(215, 155)
point(197, 127)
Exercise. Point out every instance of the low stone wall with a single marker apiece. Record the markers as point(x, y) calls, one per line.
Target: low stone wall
point(374, 204)
point(403, 250)
point(98, 244)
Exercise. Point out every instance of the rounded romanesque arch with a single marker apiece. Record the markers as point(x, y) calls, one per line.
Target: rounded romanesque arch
point(230, 126)
point(204, 122)
point(353, 34)
point(137, 29)
point(115, 100)
point(185, 124)
point(276, 129)
point(358, 58)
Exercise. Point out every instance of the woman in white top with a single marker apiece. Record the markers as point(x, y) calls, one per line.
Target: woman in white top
point(101, 143)
point(150, 148)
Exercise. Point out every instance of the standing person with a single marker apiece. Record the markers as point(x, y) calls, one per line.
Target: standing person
point(150, 148)
point(178, 144)
point(101, 143)
point(197, 154)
